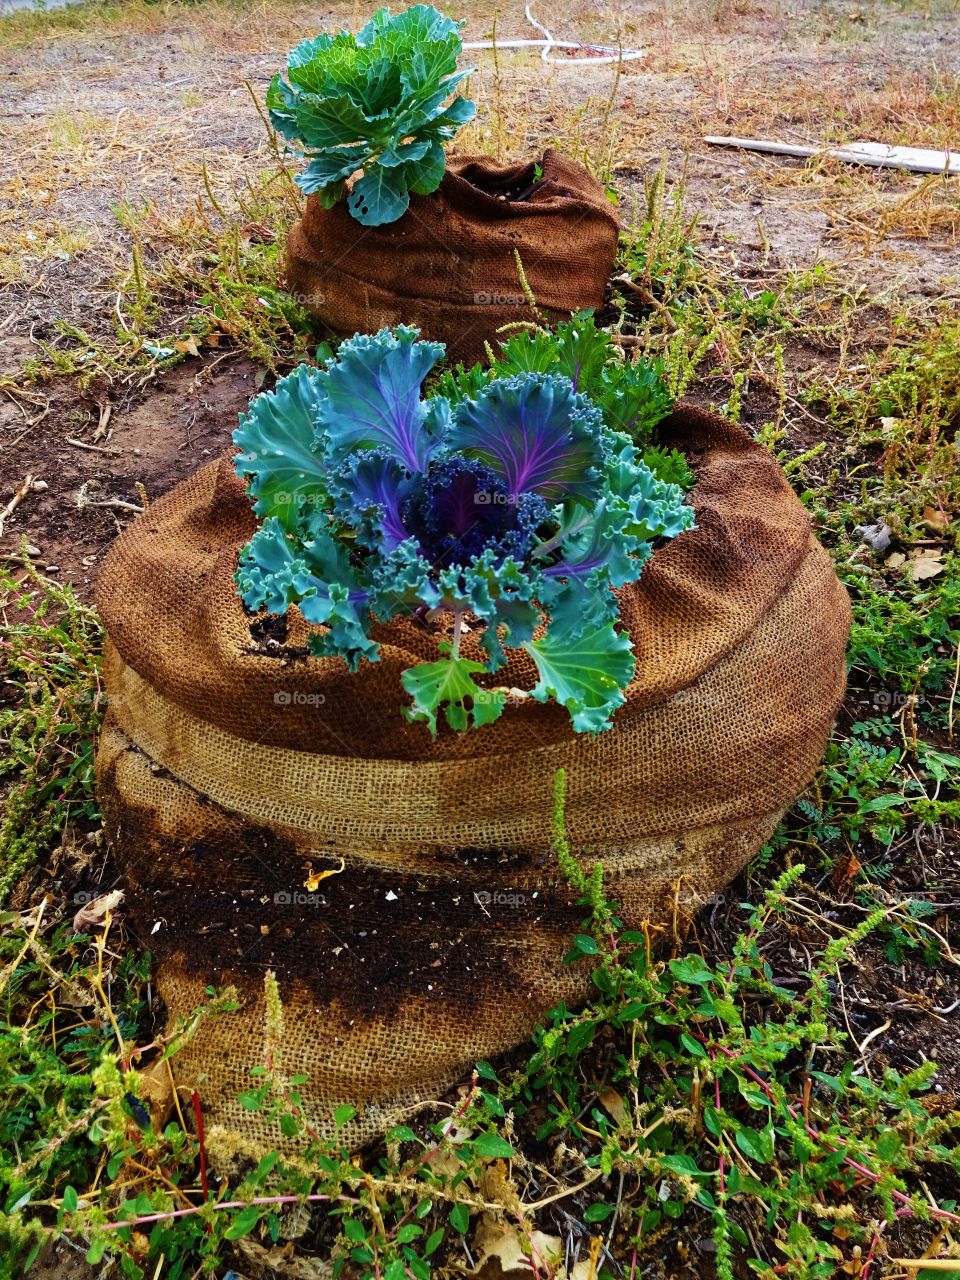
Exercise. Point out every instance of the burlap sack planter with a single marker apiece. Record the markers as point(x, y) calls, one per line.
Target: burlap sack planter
point(226, 773)
point(448, 266)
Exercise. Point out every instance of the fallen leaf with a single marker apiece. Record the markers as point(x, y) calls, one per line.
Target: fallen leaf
point(923, 563)
point(315, 877)
point(845, 872)
point(91, 915)
point(280, 1260)
point(501, 1257)
point(157, 1092)
point(614, 1105)
point(895, 560)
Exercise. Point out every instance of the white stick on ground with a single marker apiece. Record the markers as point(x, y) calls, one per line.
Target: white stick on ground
point(878, 154)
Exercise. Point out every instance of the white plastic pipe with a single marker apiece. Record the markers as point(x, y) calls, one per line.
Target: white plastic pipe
point(598, 54)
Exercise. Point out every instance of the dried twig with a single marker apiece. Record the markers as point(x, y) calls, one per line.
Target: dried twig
point(96, 448)
point(15, 501)
point(119, 503)
point(106, 409)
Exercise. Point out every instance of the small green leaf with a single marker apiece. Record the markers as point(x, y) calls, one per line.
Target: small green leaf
point(243, 1223)
point(343, 1114)
point(598, 1212)
point(691, 970)
point(493, 1104)
point(693, 1047)
point(97, 1249)
point(757, 1145)
point(711, 1121)
point(402, 1133)
point(419, 1268)
point(265, 1166)
point(580, 1037)
point(460, 1218)
point(493, 1146)
point(679, 1163)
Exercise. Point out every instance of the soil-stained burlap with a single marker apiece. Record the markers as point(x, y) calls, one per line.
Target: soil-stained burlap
point(448, 265)
point(227, 771)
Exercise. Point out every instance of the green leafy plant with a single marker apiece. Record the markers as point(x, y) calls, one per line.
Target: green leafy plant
point(49, 657)
point(519, 499)
point(719, 1097)
point(376, 101)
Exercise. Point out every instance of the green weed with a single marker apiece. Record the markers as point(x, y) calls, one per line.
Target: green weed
point(50, 709)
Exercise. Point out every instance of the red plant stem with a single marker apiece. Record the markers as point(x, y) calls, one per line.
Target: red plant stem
point(815, 1133)
point(460, 1111)
point(868, 1261)
point(204, 1186)
point(534, 1251)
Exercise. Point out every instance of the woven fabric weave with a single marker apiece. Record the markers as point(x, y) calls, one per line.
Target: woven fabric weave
point(448, 266)
point(229, 770)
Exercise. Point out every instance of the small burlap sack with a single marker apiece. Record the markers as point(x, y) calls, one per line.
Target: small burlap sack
point(448, 265)
point(227, 771)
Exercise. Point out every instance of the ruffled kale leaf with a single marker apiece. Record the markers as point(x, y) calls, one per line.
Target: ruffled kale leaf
point(277, 439)
point(370, 491)
point(370, 396)
point(631, 396)
point(537, 433)
point(378, 101)
point(315, 574)
point(403, 583)
point(586, 673)
point(501, 592)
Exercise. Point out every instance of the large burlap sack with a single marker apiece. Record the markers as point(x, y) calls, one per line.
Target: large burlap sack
point(230, 765)
point(448, 265)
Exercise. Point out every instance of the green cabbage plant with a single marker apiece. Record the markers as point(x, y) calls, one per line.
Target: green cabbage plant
point(376, 101)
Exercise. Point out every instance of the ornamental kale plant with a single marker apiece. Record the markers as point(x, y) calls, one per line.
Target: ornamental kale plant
point(632, 397)
point(508, 504)
point(376, 101)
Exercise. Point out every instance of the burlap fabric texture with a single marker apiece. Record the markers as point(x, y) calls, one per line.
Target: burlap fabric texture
point(448, 265)
point(229, 766)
